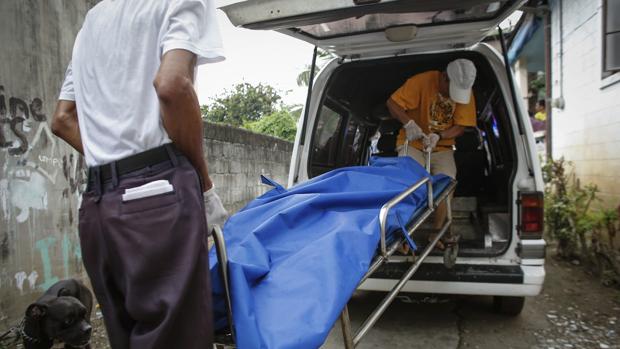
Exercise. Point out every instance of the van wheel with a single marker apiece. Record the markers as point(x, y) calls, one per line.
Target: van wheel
point(511, 306)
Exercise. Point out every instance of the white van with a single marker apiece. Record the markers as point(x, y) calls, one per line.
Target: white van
point(497, 208)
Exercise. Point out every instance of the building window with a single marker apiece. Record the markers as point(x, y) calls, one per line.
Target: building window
point(611, 37)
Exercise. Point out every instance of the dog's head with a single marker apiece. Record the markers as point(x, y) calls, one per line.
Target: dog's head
point(62, 318)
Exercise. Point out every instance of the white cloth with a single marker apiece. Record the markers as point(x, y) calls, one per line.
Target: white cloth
point(115, 59)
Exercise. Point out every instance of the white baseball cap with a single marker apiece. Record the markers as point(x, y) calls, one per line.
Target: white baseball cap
point(462, 73)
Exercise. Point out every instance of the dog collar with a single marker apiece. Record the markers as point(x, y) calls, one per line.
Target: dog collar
point(22, 333)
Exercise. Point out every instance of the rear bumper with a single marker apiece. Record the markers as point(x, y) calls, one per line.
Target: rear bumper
point(492, 280)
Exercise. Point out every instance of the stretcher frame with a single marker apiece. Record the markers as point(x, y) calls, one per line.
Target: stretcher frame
point(351, 340)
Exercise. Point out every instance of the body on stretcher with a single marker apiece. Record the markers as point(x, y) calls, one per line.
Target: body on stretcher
point(389, 243)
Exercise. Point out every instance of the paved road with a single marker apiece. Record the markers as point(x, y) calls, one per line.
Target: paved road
point(574, 311)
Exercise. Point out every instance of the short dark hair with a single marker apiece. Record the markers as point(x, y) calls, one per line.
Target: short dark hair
point(541, 102)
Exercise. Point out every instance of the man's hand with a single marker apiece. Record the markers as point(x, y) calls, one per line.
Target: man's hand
point(216, 213)
point(430, 142)
point(413, 131)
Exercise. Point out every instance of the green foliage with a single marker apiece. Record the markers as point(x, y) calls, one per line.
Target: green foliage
point(539, 83)
point(578, 228)
point(322, 57)
point(279, 124)
point(558, 206)
point(257, 108)
point(244, 103)
point(568, 215)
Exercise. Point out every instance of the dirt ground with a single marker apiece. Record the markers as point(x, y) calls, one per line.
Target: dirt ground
point(573, 311)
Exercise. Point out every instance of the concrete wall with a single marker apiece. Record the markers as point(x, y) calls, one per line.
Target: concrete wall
point(237, 158)
point(587, 130)
point(40, 176)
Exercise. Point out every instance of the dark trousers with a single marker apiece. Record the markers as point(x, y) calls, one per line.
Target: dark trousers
point(147, 259)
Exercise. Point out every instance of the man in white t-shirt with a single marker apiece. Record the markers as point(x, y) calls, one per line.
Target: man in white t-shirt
point(128, 104)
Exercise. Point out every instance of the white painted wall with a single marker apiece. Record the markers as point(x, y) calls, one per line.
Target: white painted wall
point(587, 130)
point(520, 71)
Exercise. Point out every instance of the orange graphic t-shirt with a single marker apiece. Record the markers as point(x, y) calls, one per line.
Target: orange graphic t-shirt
point(419, 96)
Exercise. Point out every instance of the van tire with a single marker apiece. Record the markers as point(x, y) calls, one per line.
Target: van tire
point(511, 306)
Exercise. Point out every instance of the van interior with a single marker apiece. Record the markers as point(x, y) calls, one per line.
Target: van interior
point(353, 113)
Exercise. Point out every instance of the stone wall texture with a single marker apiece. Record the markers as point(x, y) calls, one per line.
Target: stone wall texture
point(237, 158)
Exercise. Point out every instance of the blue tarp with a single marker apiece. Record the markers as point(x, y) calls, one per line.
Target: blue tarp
point(297, 255)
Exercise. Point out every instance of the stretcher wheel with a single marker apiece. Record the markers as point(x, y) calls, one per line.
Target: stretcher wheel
point(449, 255)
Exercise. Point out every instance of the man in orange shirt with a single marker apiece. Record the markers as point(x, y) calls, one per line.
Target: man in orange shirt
point(435, 107)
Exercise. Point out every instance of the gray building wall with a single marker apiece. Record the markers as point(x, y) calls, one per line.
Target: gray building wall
point(41, 178)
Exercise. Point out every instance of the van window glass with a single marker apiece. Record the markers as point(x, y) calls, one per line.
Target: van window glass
point(353, 144)
point(339, 140)
point(325, 147)
point(379, 21)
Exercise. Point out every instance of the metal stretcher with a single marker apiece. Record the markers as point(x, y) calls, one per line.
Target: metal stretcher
point(384, 255)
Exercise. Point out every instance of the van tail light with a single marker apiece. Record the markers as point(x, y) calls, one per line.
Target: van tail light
point(531, 207)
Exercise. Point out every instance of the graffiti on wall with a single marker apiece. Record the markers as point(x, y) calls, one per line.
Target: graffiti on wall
point(26, 137)
point(18, 119)
point(51, 252)
point(40, 185)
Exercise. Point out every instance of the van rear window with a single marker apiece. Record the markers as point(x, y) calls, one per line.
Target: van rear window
point(326, 138)
point(380, 21)
point(339, 140)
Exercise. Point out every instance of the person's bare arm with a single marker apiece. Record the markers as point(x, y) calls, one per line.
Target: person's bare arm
point(65, 124)
point(452, 132)
point(180, 109)
point(397, 111)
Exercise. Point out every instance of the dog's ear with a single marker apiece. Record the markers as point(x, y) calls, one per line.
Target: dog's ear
point(63, 292)
point(36, 311)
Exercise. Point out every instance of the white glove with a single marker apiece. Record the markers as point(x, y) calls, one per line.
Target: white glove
point(216, 213)
point(430, 142)
point(413, 131)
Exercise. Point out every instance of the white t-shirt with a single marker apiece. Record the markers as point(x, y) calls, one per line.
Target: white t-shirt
point(115, 59)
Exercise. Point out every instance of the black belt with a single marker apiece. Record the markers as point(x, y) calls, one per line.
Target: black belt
point(135, 162)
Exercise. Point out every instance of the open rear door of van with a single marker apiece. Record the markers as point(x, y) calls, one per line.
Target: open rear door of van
point(354, 28)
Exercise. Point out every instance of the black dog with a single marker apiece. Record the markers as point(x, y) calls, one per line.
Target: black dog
point(62, 313)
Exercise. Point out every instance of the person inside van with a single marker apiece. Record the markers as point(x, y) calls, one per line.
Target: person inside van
point(435, 107)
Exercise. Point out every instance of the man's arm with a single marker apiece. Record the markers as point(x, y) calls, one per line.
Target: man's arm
point(397, 111)
point(65, 124)
point(180, 109)
point(452, 132)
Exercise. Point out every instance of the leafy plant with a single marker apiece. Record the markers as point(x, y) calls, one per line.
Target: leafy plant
point(578, 228)
point(244, 103)
point(280, 124)
point(558, 207)
point(322, 58)
point(538, 83)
